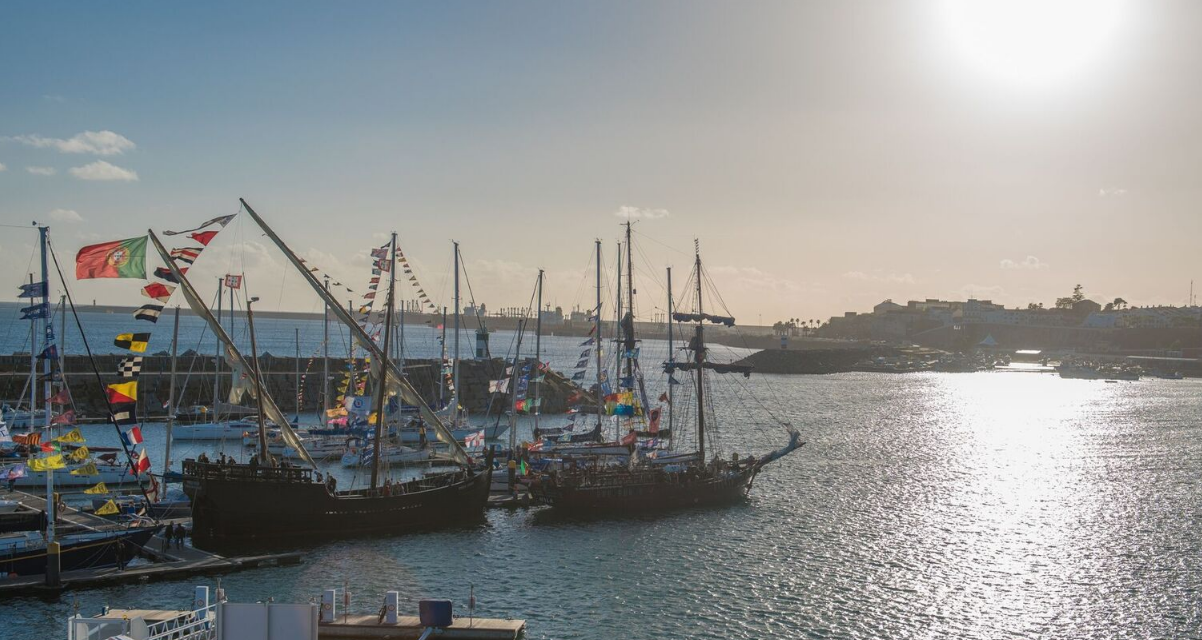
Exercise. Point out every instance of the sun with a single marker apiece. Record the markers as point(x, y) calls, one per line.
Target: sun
point(1030, 43)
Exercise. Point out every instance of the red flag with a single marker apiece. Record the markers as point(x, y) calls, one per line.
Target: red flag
point(663, 397)
point(158, 291)
point(143, 464)
point(66, 417)
point(653, 420)
point(204, 237)
point(62, 397)
point(629, 438)
point(48, 447)
point(233, 281)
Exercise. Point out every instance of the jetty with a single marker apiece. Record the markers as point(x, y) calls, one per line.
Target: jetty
point(166, 563)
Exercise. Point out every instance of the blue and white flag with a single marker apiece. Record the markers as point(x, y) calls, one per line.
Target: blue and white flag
point(34, 312)
point(33, 290)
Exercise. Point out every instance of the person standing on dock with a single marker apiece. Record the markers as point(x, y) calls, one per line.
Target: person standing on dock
point(179, 535)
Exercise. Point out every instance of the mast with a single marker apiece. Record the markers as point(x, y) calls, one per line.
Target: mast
point(400, 343)
point(442, 361)
point(513, 386)
point(217, 353)
point(33, 365)
point(671, 352)
point(298, 375)
point(62, 344)
point(597, 342)
point(325, 357)
point(699, 359)
point(538, 334)
point(46, 384)
point(264, 456)
point(455, 364)
point(380, 405)
point(617, 336)
point(171, 395)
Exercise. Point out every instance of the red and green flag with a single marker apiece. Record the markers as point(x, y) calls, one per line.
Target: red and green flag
point(120, 259)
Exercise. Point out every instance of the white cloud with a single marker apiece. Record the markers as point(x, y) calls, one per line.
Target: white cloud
point(2, 167)
point(877, 276)
point(42, 171)
point(1112, 192)
point(101, 170)
point(631, 213)
point(101, 143)
point(981, 292)
point(1029, 262)
point(65, 215)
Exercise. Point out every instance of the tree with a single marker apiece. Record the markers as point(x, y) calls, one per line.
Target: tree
point(1119, 303)
point(1031, 306)
point(1064, 303)
point(1078, 293)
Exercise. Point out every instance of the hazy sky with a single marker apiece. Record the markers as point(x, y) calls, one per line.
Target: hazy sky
point(827, 155)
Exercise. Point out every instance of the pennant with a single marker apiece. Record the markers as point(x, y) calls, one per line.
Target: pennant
point(498, 386)
point(35, 312)
point(108, 509)
point(49, 447)
point(72, 436)
point(578, 376)
point(33, 290)
point(88, 469)
point(673, 380)
point(222, 220)
point(62, 397)
point(158, 291)
point(125, 413)
point(148, 312)
point(50, 352)
point(130, 367)
point(122, 393)
point(120, 259)
point(204, 237)
point(233, 281)
point(132, 437)
point(49, 463)
point(186, 255)
point(586, 353)
point(136, 342)
point(96, 490)
point(143, 463)
point(80, 454)
point(582, 363)
point(380, 253)
point(30, 439)
point(163, 273)
point(653, 420)
point(663, 397)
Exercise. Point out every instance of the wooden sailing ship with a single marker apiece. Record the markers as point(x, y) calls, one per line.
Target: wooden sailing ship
point(263, 501)
point(664, 479)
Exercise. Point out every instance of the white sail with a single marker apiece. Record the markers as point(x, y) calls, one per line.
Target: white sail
point(266, 404)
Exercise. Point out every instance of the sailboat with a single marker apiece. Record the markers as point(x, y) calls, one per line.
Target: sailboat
point(658, 479)
point(262, 501)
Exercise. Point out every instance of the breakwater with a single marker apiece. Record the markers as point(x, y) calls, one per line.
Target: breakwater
point(195, 378)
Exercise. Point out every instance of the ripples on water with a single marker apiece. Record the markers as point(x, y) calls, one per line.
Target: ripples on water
point(929, 505)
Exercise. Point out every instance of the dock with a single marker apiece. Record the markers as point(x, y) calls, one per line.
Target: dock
point(167, 563)
point(364, 627)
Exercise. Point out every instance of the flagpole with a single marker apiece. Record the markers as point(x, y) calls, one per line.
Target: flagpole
point(171, 398)
point(455, 364)
point(671, 355)
point(264, 456)
point(217, 354)
point(325, 357)
point(538, 334)
point(46, 388)
point(597, 341)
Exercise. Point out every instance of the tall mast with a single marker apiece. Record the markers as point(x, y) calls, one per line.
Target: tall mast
point(264, 456)
point(699, 359)
point(217, 353)
point(455, 363)
point(538, 335)
point(442, 361)
point(597, 338)
point(514, 374)
point(671, 352)
point(325, 357)
point(171, 394)
point(46, 389)
point(62, 343)
point(618, 335)
point(298, 374)
point(383, 381)
point(400, 343)
point(33, 366)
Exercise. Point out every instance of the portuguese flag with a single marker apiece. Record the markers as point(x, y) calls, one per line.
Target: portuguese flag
point(120, 259)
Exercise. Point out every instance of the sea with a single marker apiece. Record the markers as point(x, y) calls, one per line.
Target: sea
point(1000, 504)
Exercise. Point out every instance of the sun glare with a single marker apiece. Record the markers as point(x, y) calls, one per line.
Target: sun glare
point(1030, 43)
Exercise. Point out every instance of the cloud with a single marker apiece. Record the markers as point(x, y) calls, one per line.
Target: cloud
point(877, 276)
point(2, 167)
point(42, 171)
point(631, 213)
point(1112, 192)
point(101, 170)
point(50, 97)
point(981, 292)
point(101, 143)
point(65, 215)
point(1029, 262)
point(757, 280)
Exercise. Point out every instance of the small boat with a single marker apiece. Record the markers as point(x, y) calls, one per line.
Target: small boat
point(112, 475)
point(213, 431)
point(23, 419)
point(25, 554)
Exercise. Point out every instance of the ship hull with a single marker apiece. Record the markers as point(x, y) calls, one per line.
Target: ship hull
point(653, 492)
point(89, 551)
point(278, 506)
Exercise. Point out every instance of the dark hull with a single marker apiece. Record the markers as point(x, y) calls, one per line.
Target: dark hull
point(85, 554)
point(242, 508)
point(647, 492)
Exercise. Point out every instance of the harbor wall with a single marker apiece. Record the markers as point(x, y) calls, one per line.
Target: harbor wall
point(195, 376)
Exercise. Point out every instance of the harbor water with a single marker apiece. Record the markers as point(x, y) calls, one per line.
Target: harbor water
point(983, 505)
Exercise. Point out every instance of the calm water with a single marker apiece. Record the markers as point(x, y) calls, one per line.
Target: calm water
point(930, 505)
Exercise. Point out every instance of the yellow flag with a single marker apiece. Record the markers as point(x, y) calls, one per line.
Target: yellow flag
point(46, 464)
point(80, 454)
point(108, 509)
point(123, 392)
point(88, 469)
point(73, 436)
point(99, 488)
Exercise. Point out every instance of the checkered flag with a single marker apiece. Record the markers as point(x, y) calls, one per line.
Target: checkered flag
point(130, 367)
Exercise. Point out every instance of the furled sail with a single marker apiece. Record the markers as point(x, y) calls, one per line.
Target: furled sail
point(395, 382)
point(744, 369)
point(700, 317)
point(233, 355)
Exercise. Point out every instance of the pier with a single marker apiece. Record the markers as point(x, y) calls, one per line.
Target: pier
point(167, 562)
point(363, 627)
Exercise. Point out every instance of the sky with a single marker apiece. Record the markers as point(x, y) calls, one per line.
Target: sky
point(824, 155)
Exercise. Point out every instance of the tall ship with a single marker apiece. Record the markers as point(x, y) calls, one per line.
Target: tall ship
point(651, 476)
point(266, 500)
